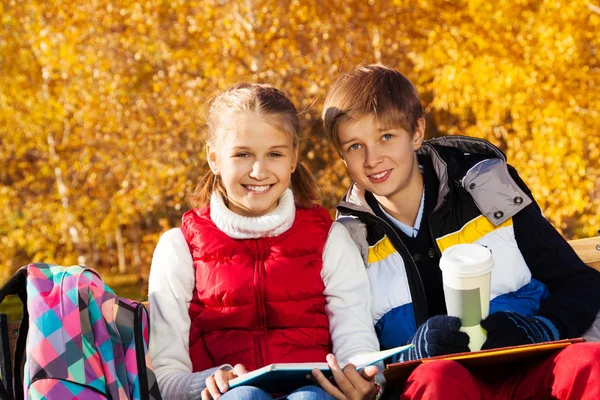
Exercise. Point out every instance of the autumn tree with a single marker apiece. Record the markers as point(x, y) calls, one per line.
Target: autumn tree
point(102, 103)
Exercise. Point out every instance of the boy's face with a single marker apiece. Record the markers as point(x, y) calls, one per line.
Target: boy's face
point(381, 160)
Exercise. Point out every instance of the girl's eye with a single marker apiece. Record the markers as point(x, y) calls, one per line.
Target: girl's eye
point(355, 146)
point(242, 155)
point(275, 155)
point(387, 137)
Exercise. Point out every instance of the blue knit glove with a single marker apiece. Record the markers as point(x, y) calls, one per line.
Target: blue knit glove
point(508, 328)
point(438, 336)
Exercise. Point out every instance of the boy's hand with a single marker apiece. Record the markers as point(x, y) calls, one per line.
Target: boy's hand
point(508, 328)
point(218, 383)
point(438, 336)
point(351, 384)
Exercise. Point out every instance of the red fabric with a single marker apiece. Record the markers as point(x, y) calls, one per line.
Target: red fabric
point(258, 301)
point(569, 374)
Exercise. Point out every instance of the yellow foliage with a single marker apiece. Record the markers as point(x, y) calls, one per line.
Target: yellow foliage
point(102, 103)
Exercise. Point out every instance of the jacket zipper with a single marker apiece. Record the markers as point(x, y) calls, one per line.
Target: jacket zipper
point(415, 284)
point(260, 307)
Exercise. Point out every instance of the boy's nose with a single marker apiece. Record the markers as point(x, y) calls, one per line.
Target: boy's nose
point(372, 158)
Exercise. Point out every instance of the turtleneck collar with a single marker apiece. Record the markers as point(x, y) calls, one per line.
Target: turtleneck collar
point(240, 227)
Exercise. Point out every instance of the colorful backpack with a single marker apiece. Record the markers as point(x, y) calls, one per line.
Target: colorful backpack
point(81, 340)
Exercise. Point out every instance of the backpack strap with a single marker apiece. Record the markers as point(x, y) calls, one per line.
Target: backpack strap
point(5, 361)
point(17, 285)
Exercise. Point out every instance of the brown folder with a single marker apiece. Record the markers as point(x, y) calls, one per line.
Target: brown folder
point(397, 373)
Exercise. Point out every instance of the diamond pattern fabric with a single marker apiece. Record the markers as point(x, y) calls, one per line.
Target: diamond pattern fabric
point(84, 342)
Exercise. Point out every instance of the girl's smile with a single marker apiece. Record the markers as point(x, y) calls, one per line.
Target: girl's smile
point(258, 189)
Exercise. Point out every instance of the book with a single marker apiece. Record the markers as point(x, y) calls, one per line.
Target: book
point(397, 373)
point(286, 377)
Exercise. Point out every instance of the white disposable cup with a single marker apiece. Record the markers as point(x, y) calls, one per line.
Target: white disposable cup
point(466, 273)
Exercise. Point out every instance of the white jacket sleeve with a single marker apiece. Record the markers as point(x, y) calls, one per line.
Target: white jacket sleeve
point(170, 289)
point(348, 296)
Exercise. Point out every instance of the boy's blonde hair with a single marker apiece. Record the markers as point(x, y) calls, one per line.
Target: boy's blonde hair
point(277, 110)
point(372, 90)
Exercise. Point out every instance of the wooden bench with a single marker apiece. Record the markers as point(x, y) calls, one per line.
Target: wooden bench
point(587, 249)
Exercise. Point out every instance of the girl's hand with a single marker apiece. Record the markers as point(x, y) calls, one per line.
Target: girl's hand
point(218, 383)
point(351, 384)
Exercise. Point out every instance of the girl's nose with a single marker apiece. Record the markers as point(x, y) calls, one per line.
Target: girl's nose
point(259, 171)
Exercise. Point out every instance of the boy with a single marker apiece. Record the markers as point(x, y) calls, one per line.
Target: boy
point(410, 200)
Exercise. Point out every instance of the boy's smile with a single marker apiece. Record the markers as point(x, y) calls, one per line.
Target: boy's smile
point(380, 177)
point(383, 161)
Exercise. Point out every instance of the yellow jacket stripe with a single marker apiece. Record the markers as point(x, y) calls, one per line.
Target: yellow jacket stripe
point(470, 232)
point(380, 250)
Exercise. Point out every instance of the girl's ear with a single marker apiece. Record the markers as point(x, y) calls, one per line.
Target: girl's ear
point(211, 157)
point(295, 160)
point(419, 134)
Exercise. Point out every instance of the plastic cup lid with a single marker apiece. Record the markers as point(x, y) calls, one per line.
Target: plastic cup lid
point(466, 260)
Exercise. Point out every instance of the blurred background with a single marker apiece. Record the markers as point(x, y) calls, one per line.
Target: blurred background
point(102, 105)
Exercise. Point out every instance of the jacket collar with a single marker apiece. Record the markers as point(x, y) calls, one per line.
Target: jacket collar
point(451, 157)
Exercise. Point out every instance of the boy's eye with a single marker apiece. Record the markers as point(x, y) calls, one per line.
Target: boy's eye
point(355, 146)
point(275, 154)
point(387, 137)
point(242, 155)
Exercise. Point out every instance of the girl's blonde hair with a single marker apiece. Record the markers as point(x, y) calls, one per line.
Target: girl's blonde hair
point(276, 109)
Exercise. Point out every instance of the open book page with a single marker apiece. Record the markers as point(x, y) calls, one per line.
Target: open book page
point(366, 359)
point(285, 377)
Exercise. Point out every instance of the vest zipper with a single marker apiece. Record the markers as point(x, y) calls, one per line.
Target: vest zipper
point(415, 284)
point(260, 307)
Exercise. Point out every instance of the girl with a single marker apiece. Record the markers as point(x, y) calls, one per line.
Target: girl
point(257, 273)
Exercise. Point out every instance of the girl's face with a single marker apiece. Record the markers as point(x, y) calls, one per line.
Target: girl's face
point(255, 162)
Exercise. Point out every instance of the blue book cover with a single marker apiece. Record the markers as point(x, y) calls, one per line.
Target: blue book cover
point(286, 377)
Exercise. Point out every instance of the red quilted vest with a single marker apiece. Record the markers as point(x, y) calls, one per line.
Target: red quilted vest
point(257, 301)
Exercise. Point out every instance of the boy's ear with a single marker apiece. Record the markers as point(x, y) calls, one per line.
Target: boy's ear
point(211, 158)
point(419, 134)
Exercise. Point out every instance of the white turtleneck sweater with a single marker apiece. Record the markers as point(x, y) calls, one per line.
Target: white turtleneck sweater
point(347, 294)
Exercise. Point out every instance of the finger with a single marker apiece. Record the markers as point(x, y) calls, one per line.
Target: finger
point(341, 376)
point(489, 344)
point(444, 322)
point(222, 378)
point(493, 321)
point(454, 339)
point(326, 385)
point(363, 382)
point(239, 370)
point(369, 372)
point(205, 395)
point(211, 385)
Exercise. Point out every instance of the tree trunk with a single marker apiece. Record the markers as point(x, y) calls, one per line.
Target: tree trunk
point(63, 193)
point(120, 250)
